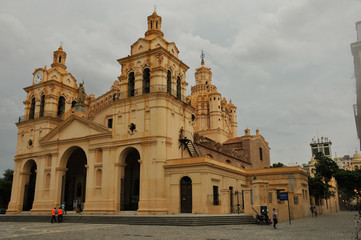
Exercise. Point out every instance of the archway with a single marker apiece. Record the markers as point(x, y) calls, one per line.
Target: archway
point(130, 182)
point(186, 195)
point(74, 183)
point(29, 188)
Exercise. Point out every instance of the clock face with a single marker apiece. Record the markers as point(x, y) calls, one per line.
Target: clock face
point(38, 77)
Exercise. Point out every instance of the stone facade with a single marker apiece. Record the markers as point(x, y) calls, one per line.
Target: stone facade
point(142, 146)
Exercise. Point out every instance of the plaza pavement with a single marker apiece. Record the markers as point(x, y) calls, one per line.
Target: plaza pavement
point(338, 226)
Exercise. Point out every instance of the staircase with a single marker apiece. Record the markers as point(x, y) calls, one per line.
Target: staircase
point(160, 220)
point(192, 150)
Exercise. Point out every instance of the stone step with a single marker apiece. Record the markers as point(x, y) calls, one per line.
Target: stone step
point(191, 220)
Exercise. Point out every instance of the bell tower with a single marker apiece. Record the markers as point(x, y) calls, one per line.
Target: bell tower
point(59, 58)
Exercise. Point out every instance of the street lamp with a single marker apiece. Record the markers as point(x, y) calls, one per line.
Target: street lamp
point(357, 198)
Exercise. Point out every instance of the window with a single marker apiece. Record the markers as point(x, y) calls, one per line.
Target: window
point(179, 88)
point(59, 59)
point(131, 84)
point(32, 109)
point(42, 104)
point(146, 80)
point(314, 151)
point(295, 199)
point(110, 123)
point(356, 167)
point(169, 81)
point(61, 106)
point(215, 195)
point(327, 151)
point(73, 104)
point(260, 154)
point(156, 24)
point(151, 24)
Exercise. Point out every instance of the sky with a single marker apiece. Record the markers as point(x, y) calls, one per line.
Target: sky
point(286, 64)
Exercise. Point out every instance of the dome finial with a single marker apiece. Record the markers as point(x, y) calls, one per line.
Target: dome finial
point(202, 57)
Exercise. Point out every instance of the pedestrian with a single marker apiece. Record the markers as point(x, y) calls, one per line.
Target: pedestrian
point(311, 208)
point(53, 215)
point(315, 210)
point(60, 215)
point(274, 217)
point(63, 208)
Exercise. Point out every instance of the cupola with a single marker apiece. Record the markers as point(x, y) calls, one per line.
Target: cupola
point(154, 25)
point(59, 58)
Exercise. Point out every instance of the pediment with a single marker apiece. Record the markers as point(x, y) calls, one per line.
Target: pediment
point(75, 128)
point(139, 46)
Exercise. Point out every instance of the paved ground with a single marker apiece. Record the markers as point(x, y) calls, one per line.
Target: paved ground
point(338, 226)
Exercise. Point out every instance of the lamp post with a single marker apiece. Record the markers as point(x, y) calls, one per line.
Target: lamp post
point(357, 202)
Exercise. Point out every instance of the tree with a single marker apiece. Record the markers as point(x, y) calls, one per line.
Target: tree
point(5, 187)
point(318, 188)
point(278, 165)
point(347, 182)
point(325, 167)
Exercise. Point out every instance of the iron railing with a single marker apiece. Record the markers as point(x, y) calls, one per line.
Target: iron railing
point(37, 115)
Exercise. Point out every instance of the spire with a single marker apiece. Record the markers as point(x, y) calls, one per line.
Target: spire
point(154, 25)
point(202, 57)
point(59, 58)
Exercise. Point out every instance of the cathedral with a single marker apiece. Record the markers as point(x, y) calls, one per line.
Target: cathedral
point(144, 145)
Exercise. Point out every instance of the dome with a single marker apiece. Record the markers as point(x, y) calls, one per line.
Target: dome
point(357, 156)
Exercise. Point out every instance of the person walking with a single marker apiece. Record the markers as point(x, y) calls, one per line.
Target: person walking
point(311, 208)
point(315, 210)
point(274, 217)
point(60, 215)
point(53, 215)
point(63, 208)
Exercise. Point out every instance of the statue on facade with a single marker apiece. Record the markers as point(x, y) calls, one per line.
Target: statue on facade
point(81, 94)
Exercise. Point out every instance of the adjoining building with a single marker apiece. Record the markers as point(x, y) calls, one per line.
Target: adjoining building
point(143, 145)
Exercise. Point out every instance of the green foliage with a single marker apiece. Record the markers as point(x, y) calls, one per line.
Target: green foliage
point(5, 185)
point(325, 167)
point(318, 188)
point(347, 182)
point(278, 165)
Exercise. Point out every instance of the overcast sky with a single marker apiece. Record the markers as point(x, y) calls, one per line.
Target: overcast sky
point(286, 65)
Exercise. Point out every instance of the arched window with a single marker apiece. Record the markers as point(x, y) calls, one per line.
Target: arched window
point(356, 167)
point(32, 109)
point(169, 82)
point(59, 59)
point(178, 88)
point(131, 84)
point(42, 104)
point(61, 106)
point(151, 25)
point(146, 80)
point(156, 24)
point(73, 104)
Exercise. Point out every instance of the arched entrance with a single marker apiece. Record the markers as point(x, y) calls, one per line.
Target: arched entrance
point(186, 195)
point(29, 188)
point(74, 183)
point(130, 182)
